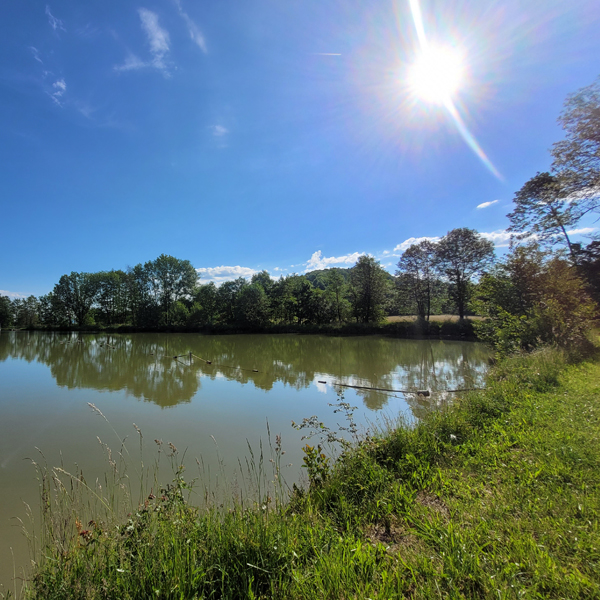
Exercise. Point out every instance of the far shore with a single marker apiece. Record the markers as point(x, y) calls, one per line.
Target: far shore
point(449, 327)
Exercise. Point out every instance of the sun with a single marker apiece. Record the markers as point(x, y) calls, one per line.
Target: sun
point(436, 74)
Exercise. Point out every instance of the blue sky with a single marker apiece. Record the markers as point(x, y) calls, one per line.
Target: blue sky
point(272, 134)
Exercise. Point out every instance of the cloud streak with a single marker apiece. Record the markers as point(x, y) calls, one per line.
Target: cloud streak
point(195, 33)
point(54, 22)
point(486, 204)
point(159, 42)
point(36, 54)
point(582, 231)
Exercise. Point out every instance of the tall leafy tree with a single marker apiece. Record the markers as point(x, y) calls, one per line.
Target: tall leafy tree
point(111, 298)
point(252, 306)
point(27, 312)
point(462, 255)
point(172, 279)
point(577, 157)
point(543, 210)
point(369, 284)
point(141, 297)
point(264, 280)
point(418, 265)
point(205, 308)
point(6, 314)
point(227, 297)
point(75, 294)
point(337, 288)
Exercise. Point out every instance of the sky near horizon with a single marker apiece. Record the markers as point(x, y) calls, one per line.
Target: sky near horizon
point(274, 134)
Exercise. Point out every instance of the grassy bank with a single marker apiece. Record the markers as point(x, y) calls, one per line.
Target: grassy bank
point(497, 496)
point(404, 327)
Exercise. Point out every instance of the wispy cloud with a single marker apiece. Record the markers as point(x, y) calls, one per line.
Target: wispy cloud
point(486, 204)
point(54, 22)
point(414, 240)
point(582, 231)
point(158, 39)
point(220, 274)
point(318, 261)
point(36, 54)
point(132, 63)
point(59, 88)
point(193, 30)
point(12, 294)
point(219, 130)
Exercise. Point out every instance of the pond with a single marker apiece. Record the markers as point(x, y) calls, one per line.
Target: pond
point(211, 402)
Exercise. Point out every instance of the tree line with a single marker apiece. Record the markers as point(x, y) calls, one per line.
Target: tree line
point(166, 292)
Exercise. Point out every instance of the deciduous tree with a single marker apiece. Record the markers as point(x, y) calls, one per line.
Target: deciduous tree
point(542, 210)
point(418, 265)
point(369, 283)
point(577, 157)
point(462, 255)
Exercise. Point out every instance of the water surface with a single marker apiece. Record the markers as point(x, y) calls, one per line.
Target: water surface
point(48, 380)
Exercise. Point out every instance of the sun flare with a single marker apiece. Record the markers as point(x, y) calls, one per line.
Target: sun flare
point(436, 74)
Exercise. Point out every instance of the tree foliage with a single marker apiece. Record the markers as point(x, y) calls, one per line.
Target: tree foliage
point(462, 254)
point(577, 157)
point(542, 210)
point(369, 284)
point(533, 298)
point(418, 268)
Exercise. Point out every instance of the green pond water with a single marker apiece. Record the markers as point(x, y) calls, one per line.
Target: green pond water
point(212, 412)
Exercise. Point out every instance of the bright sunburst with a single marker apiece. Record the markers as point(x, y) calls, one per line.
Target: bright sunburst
point(436, 74)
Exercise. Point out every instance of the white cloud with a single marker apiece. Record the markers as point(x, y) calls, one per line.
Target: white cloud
point(223, 273)
point(12, 294)
point(158, 39)
point(486, 204)
point(59, 88)
point(132, 62)
point(412, 241)
point(582, 231)
point(500, 237)
point(54, 22)
point(219, 130)
point(195, 33)
point(36, 54)
point(318, 261)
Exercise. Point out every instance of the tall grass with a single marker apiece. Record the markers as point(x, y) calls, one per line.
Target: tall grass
point(495, 496)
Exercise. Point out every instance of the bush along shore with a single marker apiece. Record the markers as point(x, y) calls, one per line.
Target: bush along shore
point(410, 329)
point(496, 496)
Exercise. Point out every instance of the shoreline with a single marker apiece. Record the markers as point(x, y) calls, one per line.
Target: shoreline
point(448, 330)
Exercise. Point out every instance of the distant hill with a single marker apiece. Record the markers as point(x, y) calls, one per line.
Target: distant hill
point(319, 277)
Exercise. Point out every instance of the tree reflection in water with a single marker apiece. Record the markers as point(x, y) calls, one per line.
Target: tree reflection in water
point(143, 363)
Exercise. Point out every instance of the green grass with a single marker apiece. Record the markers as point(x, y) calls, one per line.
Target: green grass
point(497, 496)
